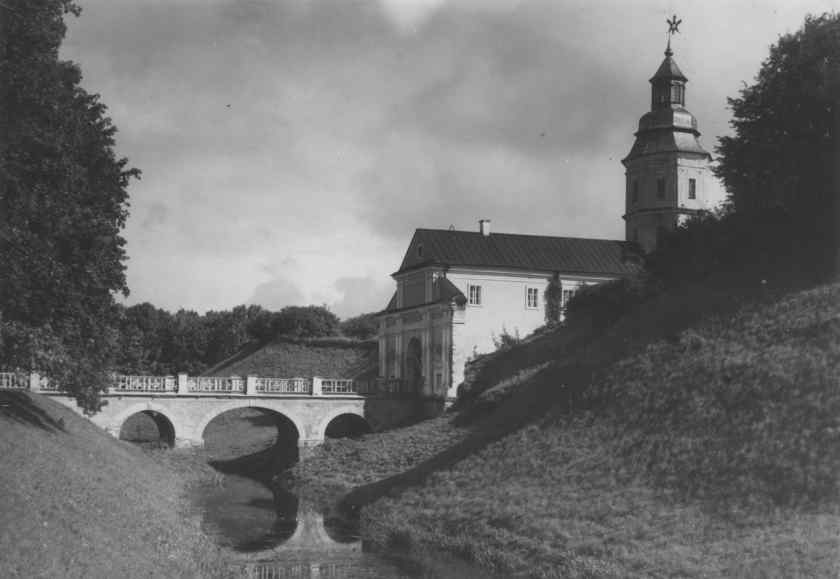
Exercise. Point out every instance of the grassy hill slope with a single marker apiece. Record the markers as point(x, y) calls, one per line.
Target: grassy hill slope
point(75, 502)
point(675, 443)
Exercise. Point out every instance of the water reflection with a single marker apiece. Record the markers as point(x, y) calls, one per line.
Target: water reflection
point(271, 533)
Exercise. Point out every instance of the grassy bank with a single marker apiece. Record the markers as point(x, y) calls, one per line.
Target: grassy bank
point(676, 443)
point(75, 502)
point(329, 471)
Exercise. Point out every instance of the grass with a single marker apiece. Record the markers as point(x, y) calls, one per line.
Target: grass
point(696, 437)
point(338, 465)
point(76, 502)
point(557, 500)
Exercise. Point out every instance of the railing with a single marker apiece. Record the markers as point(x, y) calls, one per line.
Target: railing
point(183, 385)
point(284, 385)
point(14, 381)
point(144, 383)
point(338, 386)
point(229, 385)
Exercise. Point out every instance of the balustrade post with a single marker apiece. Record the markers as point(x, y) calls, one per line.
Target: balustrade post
point(316, 386)
point(250, 385)
point(34, 382)
point(183, 386)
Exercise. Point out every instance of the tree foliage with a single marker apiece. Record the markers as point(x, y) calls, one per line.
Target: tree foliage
point(782, 150)
point(305, 322)
point(362, 327)
point(63, 202)
point(553, 300)
point(155, 341)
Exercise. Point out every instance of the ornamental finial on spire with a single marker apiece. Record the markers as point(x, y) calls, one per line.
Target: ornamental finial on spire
point(673, 28)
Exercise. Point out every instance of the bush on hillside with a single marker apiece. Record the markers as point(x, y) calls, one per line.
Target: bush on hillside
point(773, 245)
point(771, 248)
point(600, 306)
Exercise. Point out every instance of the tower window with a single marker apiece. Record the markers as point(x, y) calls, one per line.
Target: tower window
point(692, 189)
point(420, 250)
point(660, 188)
point(635, 192)
point(677, 94)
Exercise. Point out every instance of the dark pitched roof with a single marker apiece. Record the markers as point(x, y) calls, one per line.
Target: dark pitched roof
point(669, 69)
point(302, 358)
point(524, 252)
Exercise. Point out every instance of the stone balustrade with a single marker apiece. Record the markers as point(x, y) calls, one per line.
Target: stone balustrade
point(14, 381)
point(184, 385)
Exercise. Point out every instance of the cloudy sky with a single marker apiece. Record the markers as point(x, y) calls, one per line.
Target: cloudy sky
point(289, 148)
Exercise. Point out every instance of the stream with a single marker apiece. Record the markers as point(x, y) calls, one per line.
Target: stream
point(274, 534)
point(267, 532)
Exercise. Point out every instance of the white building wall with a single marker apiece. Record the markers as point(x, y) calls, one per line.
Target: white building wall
point(504, 308)
point(465, 331)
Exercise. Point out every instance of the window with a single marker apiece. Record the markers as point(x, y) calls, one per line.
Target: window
point(532, 299)
point(567, 296)
point(692, 189)
point(420, 250)
point(475, 295)
point(635, 197)
point(660, 188)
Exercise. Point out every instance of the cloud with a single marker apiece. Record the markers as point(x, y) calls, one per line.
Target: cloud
point(276, 294)
point(361, 295)
point(330, 130)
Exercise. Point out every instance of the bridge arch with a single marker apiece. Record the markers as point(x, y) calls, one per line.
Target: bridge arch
point(341, 411)
point(162, 416)
point(201, 426)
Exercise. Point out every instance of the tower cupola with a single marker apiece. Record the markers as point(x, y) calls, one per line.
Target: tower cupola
point(667, 166)
point(668, 84)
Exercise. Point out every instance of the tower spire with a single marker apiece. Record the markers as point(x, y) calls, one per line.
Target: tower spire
point(673, 28)
point(667, 167)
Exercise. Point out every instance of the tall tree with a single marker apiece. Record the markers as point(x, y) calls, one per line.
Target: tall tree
point(305, 322)
point(64, 202)
point(782, 153)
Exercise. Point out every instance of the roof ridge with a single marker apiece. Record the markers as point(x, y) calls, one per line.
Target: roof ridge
point(494, 234)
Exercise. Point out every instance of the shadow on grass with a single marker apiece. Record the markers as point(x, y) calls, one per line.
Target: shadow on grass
point(561, 386)
point(20, 407)
point(552, 385)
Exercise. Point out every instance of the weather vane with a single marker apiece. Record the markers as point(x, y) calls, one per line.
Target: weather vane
point(673, 28)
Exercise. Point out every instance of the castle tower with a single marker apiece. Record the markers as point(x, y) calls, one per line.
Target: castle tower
point(667, 169)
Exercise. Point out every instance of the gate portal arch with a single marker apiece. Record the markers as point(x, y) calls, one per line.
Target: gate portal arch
point(414, 364)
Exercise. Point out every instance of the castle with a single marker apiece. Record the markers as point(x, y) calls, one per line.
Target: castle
point(457, 291)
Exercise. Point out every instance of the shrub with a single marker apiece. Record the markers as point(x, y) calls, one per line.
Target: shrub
point(602, 305)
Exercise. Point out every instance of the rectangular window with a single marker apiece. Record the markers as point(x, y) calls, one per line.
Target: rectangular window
point(660, 188)
point(532, 299)
point(475, 295)
point(567, 296)
point(692, 189)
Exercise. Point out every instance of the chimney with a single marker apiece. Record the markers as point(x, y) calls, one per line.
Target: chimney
point(484, 227)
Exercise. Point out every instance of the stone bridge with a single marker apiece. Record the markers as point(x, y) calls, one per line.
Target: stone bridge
point(182, 406)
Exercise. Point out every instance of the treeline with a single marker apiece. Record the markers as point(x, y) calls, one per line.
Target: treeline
point(155, 341)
